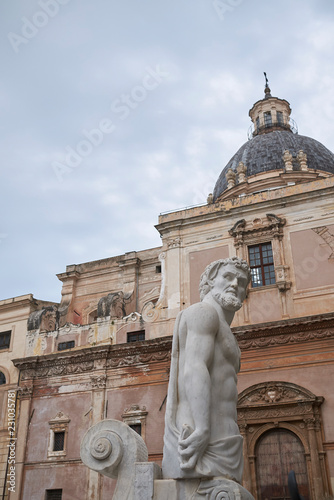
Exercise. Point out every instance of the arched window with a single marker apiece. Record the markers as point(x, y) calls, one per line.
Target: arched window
point(279, 451)
point(2, 378)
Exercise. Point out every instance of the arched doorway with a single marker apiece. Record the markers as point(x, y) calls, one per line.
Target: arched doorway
point(279, 451)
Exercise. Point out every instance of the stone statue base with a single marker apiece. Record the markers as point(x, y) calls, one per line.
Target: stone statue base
point(115, 450)
point(193, 489)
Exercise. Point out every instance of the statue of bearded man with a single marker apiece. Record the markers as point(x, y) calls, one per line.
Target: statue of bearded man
point(202, 439)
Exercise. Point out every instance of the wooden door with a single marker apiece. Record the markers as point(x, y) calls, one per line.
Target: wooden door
point(277, 453)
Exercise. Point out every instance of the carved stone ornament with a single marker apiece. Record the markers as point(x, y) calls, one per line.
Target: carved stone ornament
point(241, 170)
point(282, 277)
point(174, 242)
point(60, 418)
point(44, 320)
point(25, 391)
point(112, 305)
point(273, 392)
point(134, 411)
point(271, 226)
point(150, 312)
point(156, 350)
point(220, 489)
point(277, 339)
point(231, 177)
point(302, 160)
point(328, 237)
point(287, 158)
point(98, 381)
point(135, 316)
point(112, 448)
point(209, 199)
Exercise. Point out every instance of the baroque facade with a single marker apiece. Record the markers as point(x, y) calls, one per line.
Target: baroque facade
point(104, 350)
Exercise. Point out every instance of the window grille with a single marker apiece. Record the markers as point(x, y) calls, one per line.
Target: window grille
point(5, 340)
point(54, 494)
point(59, 440)
point(261, 264)
point(279, 115)
point(136, 336)
point(267, 119)
point(66, 345)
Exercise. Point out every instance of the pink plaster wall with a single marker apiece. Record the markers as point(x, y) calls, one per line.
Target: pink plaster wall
point(312, 266)
point(150, 396)
point(198, 262)
point(75, 406)
point(264, 305)
point(39, 479)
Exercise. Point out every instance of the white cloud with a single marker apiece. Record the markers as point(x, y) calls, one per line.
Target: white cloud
point(170, 150)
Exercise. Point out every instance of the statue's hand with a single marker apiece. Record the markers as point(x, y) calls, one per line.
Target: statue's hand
point(191, 447)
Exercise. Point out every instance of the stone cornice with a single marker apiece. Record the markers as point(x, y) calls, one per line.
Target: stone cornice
point(89, 359)
point(249, 203)
point(280, 333)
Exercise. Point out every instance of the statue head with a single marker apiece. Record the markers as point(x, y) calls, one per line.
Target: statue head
point(227, 281)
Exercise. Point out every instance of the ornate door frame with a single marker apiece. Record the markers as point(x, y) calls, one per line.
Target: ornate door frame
point(272, 405)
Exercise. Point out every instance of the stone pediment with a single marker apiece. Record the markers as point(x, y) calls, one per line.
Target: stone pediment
point(269, 225)
point(274, 393)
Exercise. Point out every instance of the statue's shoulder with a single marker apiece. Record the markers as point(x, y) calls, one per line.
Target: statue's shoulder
point(201, 314)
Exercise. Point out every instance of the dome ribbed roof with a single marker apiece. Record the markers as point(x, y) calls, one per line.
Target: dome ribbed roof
point(265, 152)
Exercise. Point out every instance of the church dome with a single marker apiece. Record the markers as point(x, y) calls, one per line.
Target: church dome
point(274, 147)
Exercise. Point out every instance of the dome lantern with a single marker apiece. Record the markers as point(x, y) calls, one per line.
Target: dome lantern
point(270, 113)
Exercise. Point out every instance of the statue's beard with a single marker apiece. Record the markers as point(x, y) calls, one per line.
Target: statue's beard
point(227, 301)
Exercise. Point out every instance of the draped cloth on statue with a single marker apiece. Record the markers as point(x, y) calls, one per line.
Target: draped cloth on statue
point(222, 457)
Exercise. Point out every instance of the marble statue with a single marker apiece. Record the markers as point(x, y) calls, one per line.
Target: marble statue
point(202, 439)
point(202, 458)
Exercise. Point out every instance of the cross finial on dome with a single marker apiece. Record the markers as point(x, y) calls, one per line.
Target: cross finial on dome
point(266, 88)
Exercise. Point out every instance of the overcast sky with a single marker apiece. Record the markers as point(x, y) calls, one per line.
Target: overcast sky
point(114, 111)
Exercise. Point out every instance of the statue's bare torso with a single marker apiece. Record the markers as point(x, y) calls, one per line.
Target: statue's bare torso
point(202, 438)
point(222, 369)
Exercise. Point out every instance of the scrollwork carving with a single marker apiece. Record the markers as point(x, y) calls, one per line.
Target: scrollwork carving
point(112, 448)
point(221, 489)
point(292, 338)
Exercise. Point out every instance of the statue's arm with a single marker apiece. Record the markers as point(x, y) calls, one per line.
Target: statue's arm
point(202, 326)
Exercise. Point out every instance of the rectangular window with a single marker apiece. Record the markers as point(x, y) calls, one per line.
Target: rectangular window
point(58, 441)
point(66, 345)
point(136, 336)
point(136, 427)
point(267, 119)
point(261, 263)
point(257, 124)
point(158, 269)
point(53, 494)
point(279, 115)
point(5, 339)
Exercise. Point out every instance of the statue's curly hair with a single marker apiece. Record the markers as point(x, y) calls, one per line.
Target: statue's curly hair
point(212, 269)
